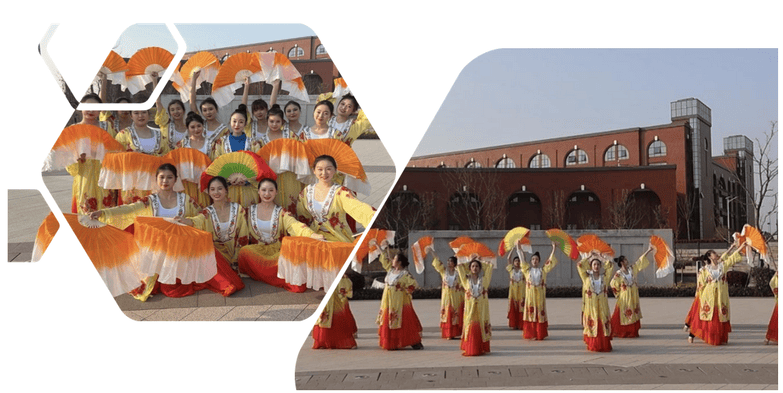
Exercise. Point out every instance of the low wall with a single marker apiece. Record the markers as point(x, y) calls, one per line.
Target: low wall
point(629, 242)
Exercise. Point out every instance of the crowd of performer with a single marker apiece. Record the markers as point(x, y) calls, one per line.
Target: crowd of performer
point(464, 307)
point(247, 217)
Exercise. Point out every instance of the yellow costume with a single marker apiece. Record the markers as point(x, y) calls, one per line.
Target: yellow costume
point(535, 319)
point(516, 297)
point(399, 324)
point(168, 130)
point(336, 326)
point(595, 315)
point(86, 195)
point(477, 330)
point(713, 325)
point(628, 311)
point(330, 219)
point(288, 186)
point(131, 141)
point(452, 301)
point(229, 236)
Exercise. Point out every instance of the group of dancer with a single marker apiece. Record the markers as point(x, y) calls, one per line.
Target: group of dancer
point(247, 218)
point(464, 309)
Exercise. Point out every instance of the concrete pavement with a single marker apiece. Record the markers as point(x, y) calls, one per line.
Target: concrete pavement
point(660, 359)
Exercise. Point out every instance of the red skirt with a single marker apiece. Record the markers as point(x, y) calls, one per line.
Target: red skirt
point(340, 335)
point(225, 282)
point(772, 329)
point(515, 320)
point(694, 311)
point(264, 270)
point(535, 330)
point(712, 332)
point(472, 344)
point(624, 331)
point(599, 343)
point(449, 330)
point(408, 334)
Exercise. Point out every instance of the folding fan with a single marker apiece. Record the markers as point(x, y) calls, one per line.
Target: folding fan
point(132, 170)
point(115, 68)
point(232, 74)
point(458, 242)
point(43, 237)
point(288, 155)
point(247, 163)
point(515, 235)
point(112, 251)
point(589, 243)
point(484, 253)
point(419, 251)
point(371, 251)
point(80, 139)
point(206, 62)
point(663, 255)
point(566, 244)
point(148, 60)
point(347, 162)
point(753, 238)
point(276, 66)
point(190, 163)
point(340, 88)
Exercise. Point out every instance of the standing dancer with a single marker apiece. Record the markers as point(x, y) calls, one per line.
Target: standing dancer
point(627, 311)
point(772, 329)
point(452, 298)
point(516, 293)
point(595, 315)
point(535, 322)
point(399, 324)
point(477, 328)
point(336, 326)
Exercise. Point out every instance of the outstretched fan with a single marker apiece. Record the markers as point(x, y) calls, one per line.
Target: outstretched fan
point(80, 139)
point(753, 238)
point(190, 163)
point(148, 60)
point(132, 170)
point(340, 88)
point(419, 251)
point(663, 255)
point(371, 251)
point(458, 242)
point(516, 235)
point(566, 244)
point(115, 68)
point(113, 252)
point(276, 66)
point(347, 162)
point(288, 155)
point(206, 62)
point(246, 163)
point(589, 243)
point(484, 253)
point(232, 74)
point(44, 236)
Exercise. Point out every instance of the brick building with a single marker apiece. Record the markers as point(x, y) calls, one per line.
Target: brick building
point(666, 170)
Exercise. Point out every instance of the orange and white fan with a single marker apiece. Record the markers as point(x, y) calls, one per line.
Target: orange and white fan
point(347, 162)
point(115, 68)
point(371, 251)
point(589, 243)
point(458, 242)
point(288, 155)
point(484, 253)
point(518, 235)
point(190, 163)
point(232, 74)
point(143, 63)
point(174, 251)
point(206, 62)
point(313, 262)
point(112, 251)
point(419, 251)
point(276, 66)
point(78, 139)
point(132, 171)
point(44, 236)
point(663, 255)
point(340, 89)
point(753, 239)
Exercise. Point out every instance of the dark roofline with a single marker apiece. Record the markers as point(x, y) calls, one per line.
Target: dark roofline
point(544, 170)
point(562, 138)
point(258, 43)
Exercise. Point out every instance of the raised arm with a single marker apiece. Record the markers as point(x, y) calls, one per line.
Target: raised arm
point(246, 91)
point(642, 262)
point(552, 261)
point(193, 79)
point(104, 94)
point(275, 91)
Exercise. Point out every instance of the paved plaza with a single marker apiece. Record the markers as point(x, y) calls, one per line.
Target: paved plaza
point(256, 302)
point(660, 359)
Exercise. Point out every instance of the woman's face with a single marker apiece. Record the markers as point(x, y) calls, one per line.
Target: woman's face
point(176, 111)
point(714, 257)
point(452, 264)
point(208, 111)
point(595, 265)
point(237, 123)
point(292, 113)
point(324, 171)
point(346, 108)
point(166, 179)
point(516, 262)
point(321, 115)
point(624, 263)
point(396, 262)
point(140, 118)
point(260, 113)
point(217, 191)
point(275, 123)
point(90, 116)
point(535, 260)
point(196, 129)
point(267, 191)
point(475, 267)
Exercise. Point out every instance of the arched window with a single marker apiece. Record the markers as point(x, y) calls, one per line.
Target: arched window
point(656, 149)
point(296, 51)
point(616, 153)
point(505, 163)
point(320, 50)
point(540, 160)
point(576, 157)
point(473, 164)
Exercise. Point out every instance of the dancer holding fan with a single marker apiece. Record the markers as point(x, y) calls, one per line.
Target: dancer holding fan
point(627, 316)
point(171, 120)
point(336, 326)
point(293, 111)
point(452, 299)
point(535, 320)
point(236, 140)
point(322, 113)
point(516, 292)
point(399, 325)
point(595, 313)
point(475, 277)
point(195, 137)
point(209, 109)
point(257, 123)
point(269, 223)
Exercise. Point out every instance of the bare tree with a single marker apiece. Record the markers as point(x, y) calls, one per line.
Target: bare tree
point(555, 211)
point(406, 211)
point(686, 207)
point(623, 211)
point(475, 199)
